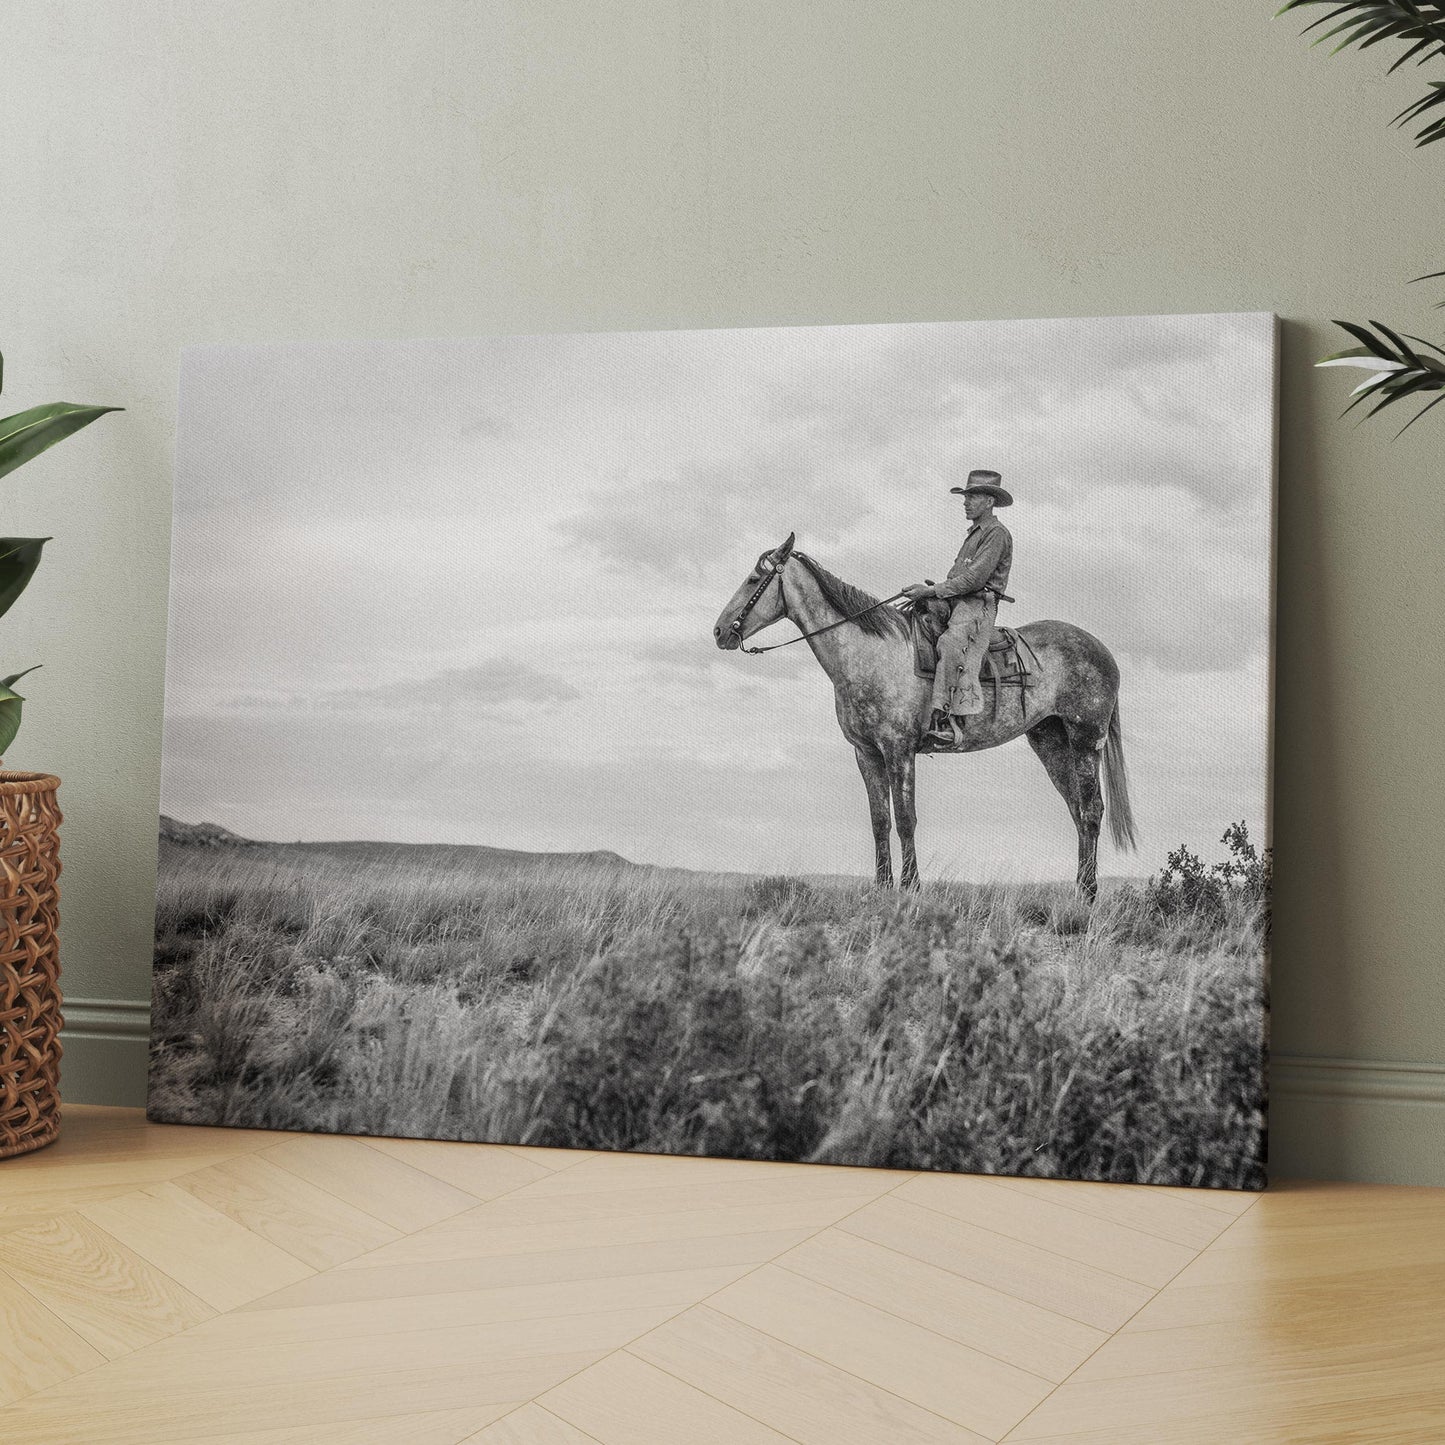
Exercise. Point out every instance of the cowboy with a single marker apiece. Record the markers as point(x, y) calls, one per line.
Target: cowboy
point(972, 588)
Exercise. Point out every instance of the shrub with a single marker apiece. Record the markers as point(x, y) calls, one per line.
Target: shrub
point(1188, 888)
point(782, 898)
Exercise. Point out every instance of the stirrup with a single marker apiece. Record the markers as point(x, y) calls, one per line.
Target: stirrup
point(948, 732)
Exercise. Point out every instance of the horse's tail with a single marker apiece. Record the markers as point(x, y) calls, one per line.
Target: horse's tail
point(1116, 787)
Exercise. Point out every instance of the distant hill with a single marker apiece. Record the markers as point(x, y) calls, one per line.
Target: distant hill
point(212, 835)
point(201, 835)
point(177, 834)
point(458, 852)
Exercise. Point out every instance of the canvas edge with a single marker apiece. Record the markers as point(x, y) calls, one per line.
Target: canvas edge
point(193, 351)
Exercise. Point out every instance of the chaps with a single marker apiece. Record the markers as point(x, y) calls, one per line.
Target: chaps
point(961, 651)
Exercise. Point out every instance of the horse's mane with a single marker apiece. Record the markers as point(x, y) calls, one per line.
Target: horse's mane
point(847, 599)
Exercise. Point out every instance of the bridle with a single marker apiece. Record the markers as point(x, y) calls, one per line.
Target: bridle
point(772, 572)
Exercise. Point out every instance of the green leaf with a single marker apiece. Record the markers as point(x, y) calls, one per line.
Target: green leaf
point(19, 557)
point(10, 702)
point(10, 705)
point(28, 433)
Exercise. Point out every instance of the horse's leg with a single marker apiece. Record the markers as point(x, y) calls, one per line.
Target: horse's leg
point(1051, 742)
point(875, 779)
point(1085, 744)
point(901, 769)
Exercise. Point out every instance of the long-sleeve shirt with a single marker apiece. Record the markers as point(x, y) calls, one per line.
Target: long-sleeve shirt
point(983, 561)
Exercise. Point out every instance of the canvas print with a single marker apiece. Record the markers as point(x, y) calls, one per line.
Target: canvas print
point(843, 744)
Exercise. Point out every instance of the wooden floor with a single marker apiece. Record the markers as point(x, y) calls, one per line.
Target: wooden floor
point(164, 1284)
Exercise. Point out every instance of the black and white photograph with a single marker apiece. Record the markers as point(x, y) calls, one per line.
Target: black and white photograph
point(836, 744)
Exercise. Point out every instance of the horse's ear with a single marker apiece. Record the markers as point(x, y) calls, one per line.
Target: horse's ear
point(785, 551)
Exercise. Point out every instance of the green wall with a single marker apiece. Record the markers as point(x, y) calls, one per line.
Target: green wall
point(247, 169)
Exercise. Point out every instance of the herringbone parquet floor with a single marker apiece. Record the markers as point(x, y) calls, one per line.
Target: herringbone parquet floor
point(168, 1284)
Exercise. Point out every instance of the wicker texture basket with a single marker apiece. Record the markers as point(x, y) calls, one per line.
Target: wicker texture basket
point(29, 962)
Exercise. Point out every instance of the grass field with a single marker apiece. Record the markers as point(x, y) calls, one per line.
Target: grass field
point(595, 1004)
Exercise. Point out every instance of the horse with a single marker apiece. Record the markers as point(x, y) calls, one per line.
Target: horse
point(883, 705)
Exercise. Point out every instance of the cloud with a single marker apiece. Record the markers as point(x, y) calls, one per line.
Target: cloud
point(492, 687)
point(857, 441)
point(429, 547)
point(672, 523)
point(698, 658)
point(497, 682)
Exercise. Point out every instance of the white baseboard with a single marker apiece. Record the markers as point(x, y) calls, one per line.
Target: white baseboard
point(1353, 1119)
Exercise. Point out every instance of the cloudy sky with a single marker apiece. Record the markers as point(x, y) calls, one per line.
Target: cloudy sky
point(464, 591)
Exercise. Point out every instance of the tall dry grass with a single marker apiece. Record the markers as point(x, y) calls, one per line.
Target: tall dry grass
point(986, 1029)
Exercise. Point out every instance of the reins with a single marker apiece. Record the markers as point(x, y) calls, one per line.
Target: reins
point(773, 646)
point(772, 575)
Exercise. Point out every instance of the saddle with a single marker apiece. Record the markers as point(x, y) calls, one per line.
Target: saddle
point(1009, 661)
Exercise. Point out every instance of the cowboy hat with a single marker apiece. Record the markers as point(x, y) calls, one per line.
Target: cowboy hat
point(988, 484)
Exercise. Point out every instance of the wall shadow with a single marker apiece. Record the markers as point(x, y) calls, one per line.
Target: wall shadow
point(1314, 988)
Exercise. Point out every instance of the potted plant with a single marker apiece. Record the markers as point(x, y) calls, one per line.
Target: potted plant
point(29, 844)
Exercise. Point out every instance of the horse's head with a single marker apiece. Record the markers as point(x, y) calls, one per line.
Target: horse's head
point(758, 603)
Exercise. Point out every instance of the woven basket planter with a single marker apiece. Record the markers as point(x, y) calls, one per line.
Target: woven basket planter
point(29, 962)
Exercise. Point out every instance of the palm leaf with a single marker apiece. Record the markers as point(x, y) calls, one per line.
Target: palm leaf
point(1420, 24)
point(1388, 396)
point(1398, 370)
point(1430, 276)
point(1372, 346)
point(1404, 352)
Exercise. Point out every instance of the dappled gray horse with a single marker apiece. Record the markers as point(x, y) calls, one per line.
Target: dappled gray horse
point(883, 705)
